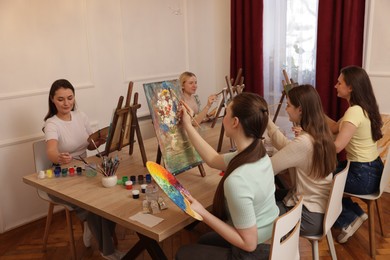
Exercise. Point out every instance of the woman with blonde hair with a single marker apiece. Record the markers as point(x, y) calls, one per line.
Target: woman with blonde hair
point(189, 85)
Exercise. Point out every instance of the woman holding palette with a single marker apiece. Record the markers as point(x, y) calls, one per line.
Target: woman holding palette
point(66, 134)
point(244, 206)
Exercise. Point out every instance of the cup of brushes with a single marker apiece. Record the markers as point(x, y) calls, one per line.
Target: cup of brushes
point(108, 169)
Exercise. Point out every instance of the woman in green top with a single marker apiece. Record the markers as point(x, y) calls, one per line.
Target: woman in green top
point(244, 206)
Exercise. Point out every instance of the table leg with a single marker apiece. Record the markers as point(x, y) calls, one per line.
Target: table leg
point(150, 245)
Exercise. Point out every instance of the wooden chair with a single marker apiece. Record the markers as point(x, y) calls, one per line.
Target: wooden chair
point(285, 234)
point(374, 199)
point(333, 210)
point(43, 163)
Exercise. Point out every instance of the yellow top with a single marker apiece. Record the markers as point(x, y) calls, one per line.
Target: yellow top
point(361, 147)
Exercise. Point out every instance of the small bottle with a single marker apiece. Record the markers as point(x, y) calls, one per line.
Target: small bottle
point(49, 173)
point(151, 192)
point(41, 175)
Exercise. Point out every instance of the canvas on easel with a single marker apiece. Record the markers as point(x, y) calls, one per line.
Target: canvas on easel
point(177, 151)
point(123, 127)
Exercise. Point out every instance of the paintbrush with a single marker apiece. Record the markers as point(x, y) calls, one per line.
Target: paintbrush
point(94, 144)
point(185, 106)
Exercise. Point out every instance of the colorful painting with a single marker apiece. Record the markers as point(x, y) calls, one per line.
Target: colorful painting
point(177, 152)
point(172, 187)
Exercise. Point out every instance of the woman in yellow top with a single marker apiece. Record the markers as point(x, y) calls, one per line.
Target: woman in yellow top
point(358, 132)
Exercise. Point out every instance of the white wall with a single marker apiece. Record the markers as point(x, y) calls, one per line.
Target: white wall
point(99, 46)
point(377, 51)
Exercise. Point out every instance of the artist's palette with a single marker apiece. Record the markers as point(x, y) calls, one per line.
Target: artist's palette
point(172, 187)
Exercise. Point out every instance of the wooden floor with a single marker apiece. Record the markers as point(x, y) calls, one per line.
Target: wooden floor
point(26, 242)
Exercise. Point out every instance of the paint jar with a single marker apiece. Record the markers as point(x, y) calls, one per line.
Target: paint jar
point(41, 175)
point(64, 172)
point(143, 188)
point(125, 179)
point(133, 179)
point(129, 185)
point(140, 179)
point(151, 192)
point(109, 181)
point(49, 173)
point(57, 171)
point(135, 194)
point(71, 171)
point(148, 178)
point(79, 170)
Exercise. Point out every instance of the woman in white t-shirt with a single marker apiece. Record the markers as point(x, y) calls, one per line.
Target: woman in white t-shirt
point(66, 134)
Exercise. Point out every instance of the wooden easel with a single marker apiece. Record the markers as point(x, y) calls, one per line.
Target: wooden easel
point(124, 124)
point(287, 84)
point(231, 91)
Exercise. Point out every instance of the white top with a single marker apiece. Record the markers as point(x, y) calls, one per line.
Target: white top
point(297, 155)
point(71, 135)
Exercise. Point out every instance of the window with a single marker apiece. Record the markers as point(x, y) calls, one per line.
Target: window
point(289, 42)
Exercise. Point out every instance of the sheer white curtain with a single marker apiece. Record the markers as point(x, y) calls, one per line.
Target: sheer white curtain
point(289, 42)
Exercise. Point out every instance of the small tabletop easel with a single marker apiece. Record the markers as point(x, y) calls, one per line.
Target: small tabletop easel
point(231, 91)
point(124, 124)
point(287, 85)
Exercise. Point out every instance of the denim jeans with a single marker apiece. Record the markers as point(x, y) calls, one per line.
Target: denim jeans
point(362, 179)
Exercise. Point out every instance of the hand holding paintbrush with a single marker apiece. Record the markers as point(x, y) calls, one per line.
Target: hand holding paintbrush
point(186, 107)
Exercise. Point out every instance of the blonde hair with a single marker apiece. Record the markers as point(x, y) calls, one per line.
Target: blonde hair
point(184, 76)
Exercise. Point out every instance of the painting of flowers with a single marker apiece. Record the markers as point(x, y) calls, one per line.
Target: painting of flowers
point(177, 152)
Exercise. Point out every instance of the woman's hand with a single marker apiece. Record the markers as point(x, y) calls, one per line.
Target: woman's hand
point(196, 206)
point(64, 158)
point(211, 99)
point(297, 130)
point(186, 112)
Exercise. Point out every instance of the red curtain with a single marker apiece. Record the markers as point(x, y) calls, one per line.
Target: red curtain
point(339, 44)
point(247, 43)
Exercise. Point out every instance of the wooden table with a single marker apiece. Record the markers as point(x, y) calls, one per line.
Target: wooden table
point(116, 203)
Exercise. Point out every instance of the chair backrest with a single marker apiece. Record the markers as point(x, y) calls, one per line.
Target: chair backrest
point(40, 158)
point(285, 234)
point(335, 206)
point(386, 174)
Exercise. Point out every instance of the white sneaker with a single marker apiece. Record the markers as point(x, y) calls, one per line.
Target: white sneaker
point(87, 235)
point(347, 232)
point(117, 255)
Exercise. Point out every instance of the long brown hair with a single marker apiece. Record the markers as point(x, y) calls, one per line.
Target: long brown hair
point(363, 95)
point(314, 123)
point(60, 83)
point(252, 112)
